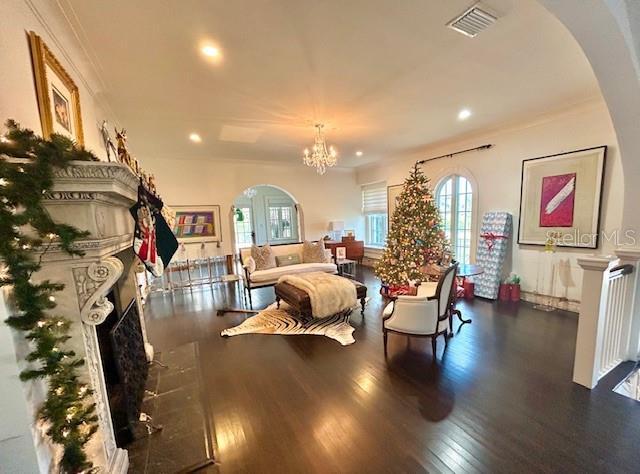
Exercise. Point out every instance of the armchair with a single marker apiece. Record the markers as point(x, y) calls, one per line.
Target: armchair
point(424, 315)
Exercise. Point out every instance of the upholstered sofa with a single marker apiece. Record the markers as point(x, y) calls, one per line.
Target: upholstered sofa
point(262, 278)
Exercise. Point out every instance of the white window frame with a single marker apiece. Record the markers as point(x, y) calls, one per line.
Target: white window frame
point(248, 220)
point(373, 208)
point(454, 211)
point(369, 230)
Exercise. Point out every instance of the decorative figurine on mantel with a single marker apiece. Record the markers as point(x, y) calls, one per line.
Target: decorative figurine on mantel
point(108, 143)
point(123, 154)
point(124, 157)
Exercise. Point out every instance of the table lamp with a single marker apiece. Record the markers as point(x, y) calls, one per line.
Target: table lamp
point(336, 228)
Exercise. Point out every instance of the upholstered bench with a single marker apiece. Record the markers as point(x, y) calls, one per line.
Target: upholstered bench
point(299, 299)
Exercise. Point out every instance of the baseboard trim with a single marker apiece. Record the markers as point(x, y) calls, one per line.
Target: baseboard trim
point(554, 301)
point(119, 462)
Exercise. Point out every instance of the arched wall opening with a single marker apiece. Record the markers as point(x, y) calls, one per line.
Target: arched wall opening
point(265, 213)
point(607, 32)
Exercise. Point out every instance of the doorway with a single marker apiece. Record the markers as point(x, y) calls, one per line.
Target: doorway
point(265, 214)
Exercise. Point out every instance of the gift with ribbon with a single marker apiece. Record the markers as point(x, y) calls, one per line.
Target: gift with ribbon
point(490, 239)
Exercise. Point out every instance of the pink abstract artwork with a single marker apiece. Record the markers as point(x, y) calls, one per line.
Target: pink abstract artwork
point(557, 201)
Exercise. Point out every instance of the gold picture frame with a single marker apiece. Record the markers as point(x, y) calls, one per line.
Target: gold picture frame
point(57, 93)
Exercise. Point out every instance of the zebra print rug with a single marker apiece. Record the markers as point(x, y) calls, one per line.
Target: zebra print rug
point(279, 321)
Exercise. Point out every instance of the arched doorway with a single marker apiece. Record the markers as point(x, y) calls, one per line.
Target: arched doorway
point(607, 31)
point(264, 214)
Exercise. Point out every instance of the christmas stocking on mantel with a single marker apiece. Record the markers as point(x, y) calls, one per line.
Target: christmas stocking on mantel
point(153, 245)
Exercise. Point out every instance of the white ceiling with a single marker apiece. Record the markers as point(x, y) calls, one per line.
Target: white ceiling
point(385, 76)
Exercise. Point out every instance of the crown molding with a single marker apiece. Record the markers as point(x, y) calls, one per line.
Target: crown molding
point(60, 48)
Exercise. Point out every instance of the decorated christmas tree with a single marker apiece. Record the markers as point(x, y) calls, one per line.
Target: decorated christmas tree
point(415, 236)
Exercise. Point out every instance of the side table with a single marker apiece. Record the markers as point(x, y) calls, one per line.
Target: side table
point(346, 268)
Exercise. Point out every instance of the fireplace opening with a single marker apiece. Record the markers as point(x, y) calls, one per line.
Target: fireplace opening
point(124, 364)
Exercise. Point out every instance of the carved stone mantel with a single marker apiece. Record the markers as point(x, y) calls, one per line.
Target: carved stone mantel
point(93, 196)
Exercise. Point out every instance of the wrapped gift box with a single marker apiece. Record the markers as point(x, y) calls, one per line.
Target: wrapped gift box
point(493, 244)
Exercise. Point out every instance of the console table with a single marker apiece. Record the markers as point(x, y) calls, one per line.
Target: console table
point(355, 248)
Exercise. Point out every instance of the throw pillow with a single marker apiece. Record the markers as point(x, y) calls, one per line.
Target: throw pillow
point(286, 260)
point(263, 256)
point(313, 252)
point(250, 264)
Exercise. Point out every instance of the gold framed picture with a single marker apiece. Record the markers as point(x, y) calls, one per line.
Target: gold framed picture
point(58, 96)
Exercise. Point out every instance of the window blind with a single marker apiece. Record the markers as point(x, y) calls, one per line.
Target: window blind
point(374, 198)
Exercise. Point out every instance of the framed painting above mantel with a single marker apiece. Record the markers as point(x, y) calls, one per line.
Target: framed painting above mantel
point(561, 197)
point(57, 93)
point(197, 223)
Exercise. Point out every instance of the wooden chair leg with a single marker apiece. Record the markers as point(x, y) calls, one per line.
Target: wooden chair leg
point(278, 302)
point(250, 300)
point(434, 346)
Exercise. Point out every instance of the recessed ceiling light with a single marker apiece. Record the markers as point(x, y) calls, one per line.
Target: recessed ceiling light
point(359, 153)
point(210, 51)
point(464, 114)
point(195, 138)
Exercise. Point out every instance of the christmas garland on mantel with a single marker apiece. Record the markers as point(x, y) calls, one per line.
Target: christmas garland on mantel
point(26, 229)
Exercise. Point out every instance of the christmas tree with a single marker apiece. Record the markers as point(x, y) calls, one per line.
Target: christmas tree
point(415, 236)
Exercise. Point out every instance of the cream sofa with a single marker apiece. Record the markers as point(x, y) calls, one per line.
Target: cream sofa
point(261, 278)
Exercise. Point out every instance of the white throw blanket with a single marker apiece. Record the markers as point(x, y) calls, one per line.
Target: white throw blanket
point(329, 294)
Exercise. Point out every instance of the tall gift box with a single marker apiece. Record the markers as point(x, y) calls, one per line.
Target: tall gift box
point(493, 244)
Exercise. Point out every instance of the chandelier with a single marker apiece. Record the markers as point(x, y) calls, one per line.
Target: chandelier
point(319, 156)
point(250, 193)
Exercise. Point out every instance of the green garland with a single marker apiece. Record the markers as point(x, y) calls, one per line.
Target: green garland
point(26, 228)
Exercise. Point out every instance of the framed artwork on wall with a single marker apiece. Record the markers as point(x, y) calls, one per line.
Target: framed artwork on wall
point(393, 193)
point(57, 93)
point(197, 223)
point(561, 197)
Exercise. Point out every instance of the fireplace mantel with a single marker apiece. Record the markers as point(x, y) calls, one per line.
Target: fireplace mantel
point(92, 196)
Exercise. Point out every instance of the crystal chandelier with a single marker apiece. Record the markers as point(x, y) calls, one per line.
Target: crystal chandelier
point(319, 156)
point(250, 193)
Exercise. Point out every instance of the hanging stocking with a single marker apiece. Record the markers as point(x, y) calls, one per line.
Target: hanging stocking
point(144, 213)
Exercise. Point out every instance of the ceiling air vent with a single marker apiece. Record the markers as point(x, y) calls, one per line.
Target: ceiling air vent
point(473, 21)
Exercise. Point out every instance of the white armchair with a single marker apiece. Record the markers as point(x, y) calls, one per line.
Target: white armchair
point(423, 315)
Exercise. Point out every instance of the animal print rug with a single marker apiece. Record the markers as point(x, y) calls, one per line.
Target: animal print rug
point(279, 321)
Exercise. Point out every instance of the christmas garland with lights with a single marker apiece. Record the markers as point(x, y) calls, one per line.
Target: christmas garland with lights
point(26, 229)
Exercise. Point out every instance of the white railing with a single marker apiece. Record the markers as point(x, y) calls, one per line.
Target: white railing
point(616, 324)
point(606, 326)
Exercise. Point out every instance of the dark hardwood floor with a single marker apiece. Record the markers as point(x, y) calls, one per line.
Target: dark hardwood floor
point(499, 398)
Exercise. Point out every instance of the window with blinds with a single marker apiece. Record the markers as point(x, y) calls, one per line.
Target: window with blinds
point(374, 198)
point(374, 207)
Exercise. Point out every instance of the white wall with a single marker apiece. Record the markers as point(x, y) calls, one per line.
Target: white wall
point(333, 196)
point(497, 173)
point(17, 453)
point(17, 90)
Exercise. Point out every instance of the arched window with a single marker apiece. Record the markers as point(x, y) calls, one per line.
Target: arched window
point(454, 198)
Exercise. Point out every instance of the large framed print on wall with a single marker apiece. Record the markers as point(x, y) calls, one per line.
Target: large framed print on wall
point(561, 197)
point(197, 223)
